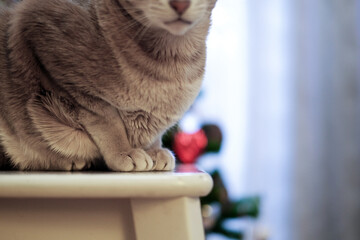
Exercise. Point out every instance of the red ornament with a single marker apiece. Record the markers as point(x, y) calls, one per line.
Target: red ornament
point(189, 146)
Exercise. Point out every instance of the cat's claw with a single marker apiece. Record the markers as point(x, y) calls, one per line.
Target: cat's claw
point(163, 159)
point(79, 165)
point(69, 165)
point(134, 160)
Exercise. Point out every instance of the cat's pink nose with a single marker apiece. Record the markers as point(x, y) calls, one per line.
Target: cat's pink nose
point(180, 6)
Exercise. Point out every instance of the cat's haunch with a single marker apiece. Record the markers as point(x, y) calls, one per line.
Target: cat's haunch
point(98, 79)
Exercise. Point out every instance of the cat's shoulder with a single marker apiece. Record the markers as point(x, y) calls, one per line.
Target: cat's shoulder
point(53, 23)
point(50, 7)
point(50, 15)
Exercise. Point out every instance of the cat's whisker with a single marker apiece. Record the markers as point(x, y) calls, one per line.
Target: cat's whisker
point(135, 36)
point(133, 24)
point(156, 7)
point(147, 27)
point(142, 32)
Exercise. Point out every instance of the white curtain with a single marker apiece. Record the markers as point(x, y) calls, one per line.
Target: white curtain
point(223, 99)
point(327, 164)
point(270, 116)
point(304, 117)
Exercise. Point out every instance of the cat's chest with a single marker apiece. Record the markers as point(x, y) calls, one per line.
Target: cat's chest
point(167, 100)
point(157, 107)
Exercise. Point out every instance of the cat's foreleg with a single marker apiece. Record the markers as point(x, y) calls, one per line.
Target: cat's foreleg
point(109, 134)
point(163, 158)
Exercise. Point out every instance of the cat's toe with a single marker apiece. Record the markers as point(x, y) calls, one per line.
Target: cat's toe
point(79, 165)
point(141, 160)
point(134, 160)
point(163, 159)
point(68, 164)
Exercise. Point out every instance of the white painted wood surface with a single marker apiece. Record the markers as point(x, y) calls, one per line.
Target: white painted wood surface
point(93, 205)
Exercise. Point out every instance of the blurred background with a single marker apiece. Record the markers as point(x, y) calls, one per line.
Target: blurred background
point(283, 85)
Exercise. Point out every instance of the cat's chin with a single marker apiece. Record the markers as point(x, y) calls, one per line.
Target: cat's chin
point(177, 27)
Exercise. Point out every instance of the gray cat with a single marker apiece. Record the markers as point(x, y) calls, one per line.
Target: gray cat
point(98, 79)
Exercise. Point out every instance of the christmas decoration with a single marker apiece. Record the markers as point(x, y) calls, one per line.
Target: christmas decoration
point(189, 146)
point(216, 207)
point(214, 136)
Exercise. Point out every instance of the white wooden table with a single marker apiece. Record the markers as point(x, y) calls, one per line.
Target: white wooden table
point(103, 206)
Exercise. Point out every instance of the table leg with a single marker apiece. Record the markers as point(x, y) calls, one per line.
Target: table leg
point(168, 219)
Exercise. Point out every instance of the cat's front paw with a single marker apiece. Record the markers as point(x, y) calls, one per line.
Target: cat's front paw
point(163, 159)
point(133, 160)
point(71, 164)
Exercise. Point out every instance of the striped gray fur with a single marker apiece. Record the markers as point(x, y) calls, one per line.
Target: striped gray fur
point(98, 79)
